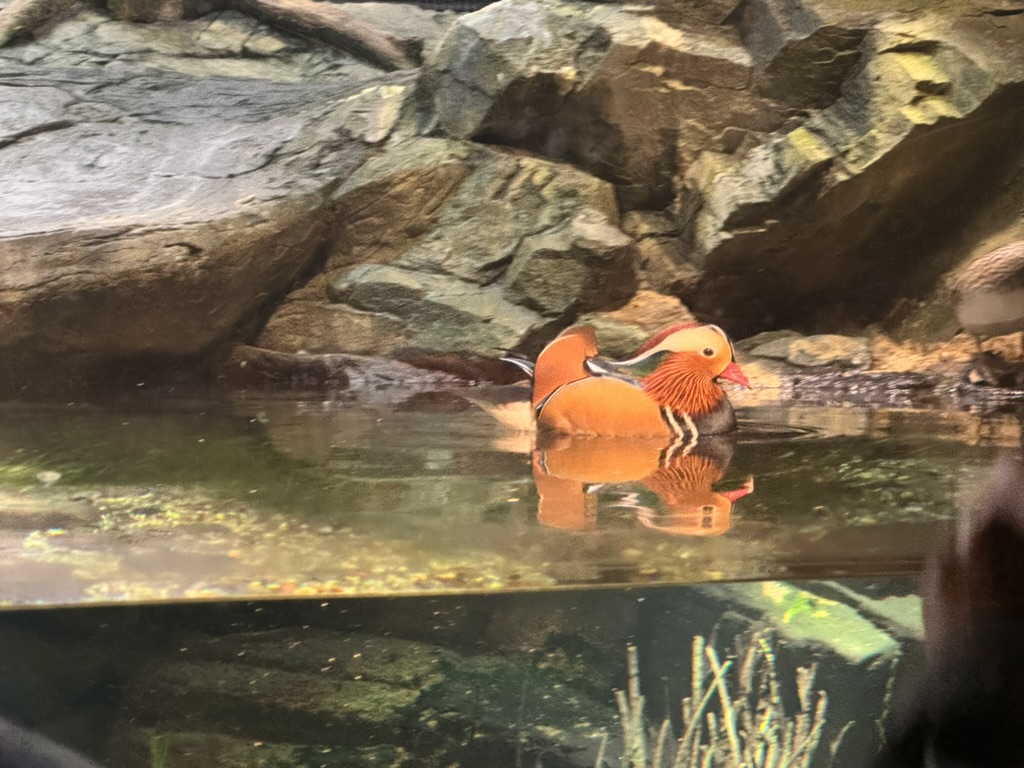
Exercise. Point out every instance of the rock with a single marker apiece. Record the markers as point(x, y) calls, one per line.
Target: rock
point(225, 43)
point(825, 349)
point(765, 337)
point(253, 367)
point(458, 209)
point(853, 654)
point(322, 328)
point(311, 697)
point(661, 254)
point(621, 331)
point(449, 254)
point(440, 314)
point(586, 264)
point(624, 95)
point(803, 223)
point(803, 51)
point(153, 212)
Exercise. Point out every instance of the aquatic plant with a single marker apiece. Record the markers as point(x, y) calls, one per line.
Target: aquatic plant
point(159, 749)
point(749, 727)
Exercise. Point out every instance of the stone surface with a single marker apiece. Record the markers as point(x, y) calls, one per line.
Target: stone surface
point(803, 51)
point(812, 164)
point(803, 228)
point(314, 697)
point(585, 264)
point(441, 313)
point(823, 349)
point(258, 368)
point(855, 657)
point(627, 96)
point(150, 215)
point(752, 342)
point(448, 253)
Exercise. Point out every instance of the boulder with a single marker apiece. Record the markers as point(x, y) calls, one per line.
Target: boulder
point(823, 349)
point(803, 51)
point(584, 264)
point(801, 230)
point(148, 215)
point(448, 254)
point(309, 697)
point(620, 92)
point(662, 260)
point(853, 654)
point(440, 314)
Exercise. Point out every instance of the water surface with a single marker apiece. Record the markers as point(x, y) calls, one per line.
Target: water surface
point(171, 498)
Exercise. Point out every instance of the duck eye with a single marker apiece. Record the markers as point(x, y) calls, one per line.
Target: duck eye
point(709, 352)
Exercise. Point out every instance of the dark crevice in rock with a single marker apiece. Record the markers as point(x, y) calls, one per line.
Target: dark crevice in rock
point(913, 46)
point(36, 130)
point(493, 271)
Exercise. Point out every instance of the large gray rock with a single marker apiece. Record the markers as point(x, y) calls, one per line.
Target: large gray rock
point(442, 315)
point(583, 265)
point(611, 88)
point(446, 252)
point(803, 51)
point(148, 215)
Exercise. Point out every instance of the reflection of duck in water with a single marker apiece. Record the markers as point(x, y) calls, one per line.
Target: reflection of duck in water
point(669, 388)
point(565, 470)
point(686, 486)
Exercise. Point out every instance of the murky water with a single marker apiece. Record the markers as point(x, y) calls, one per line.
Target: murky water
point(552, 679)
point(449, 593)
point(259, 497)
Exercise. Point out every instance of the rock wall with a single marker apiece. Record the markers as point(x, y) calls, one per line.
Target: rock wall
point(822, 165)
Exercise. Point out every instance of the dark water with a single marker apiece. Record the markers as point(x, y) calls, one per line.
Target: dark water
point(506, 680)
point(447, 593)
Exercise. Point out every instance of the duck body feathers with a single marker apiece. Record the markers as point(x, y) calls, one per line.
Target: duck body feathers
point(675, 395)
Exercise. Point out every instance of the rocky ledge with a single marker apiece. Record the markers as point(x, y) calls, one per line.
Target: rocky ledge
point(174, 191)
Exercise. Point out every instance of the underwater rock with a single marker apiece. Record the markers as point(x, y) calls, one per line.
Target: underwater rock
point(353, 699)
point(855, 657)
point(20, 748)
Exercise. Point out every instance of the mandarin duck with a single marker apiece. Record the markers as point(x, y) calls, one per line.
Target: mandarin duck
point(669, 388)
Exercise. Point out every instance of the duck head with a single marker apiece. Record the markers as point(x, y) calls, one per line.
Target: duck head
point(679, 367)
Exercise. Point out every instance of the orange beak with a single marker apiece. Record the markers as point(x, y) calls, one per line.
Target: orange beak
point(732, 372)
